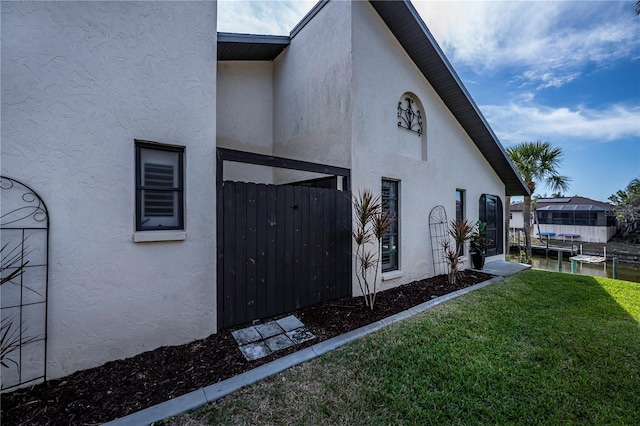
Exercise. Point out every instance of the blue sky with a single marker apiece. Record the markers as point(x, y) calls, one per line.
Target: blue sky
point(566, 72)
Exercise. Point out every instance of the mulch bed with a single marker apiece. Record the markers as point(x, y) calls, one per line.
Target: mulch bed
point(122, 387)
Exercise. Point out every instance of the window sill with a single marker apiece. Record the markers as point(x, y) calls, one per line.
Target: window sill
point(391, 275)
point(156, 236)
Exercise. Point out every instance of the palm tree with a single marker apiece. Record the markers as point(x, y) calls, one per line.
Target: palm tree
point(537, 162)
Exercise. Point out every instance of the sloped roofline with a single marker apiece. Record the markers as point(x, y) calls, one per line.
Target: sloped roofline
point(409, 29)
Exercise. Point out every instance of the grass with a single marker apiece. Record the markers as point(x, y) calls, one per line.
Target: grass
point(537, 348)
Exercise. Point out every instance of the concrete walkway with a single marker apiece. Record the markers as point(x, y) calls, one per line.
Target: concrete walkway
point(211, 393)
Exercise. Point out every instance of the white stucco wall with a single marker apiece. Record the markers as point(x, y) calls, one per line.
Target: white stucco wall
point(382, 73)
point(312, 92)
point(80, 81)
point(245, 115)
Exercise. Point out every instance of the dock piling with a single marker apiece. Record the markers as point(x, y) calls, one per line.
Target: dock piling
point(559, 261)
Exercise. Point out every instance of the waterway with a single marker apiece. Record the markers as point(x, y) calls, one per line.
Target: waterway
point(626, 271)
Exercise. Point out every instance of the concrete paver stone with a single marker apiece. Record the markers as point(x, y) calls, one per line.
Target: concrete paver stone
point(246, 335)
point(300, 335)
point(269, 329)
point(254, 351)
point(278, 342)
point(289, 323)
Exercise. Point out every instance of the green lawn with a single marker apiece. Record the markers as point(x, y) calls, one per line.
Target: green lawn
point(537, 348)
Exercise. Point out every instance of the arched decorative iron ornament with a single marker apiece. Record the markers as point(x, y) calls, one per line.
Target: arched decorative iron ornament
point(409, 118)
point(438, 227)
point(24, 272)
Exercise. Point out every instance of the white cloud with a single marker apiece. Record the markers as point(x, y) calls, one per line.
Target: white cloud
point(273, 17)
point(553, 41)
point(549, 79)
point(514, 123)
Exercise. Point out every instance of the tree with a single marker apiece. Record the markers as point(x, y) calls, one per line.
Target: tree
point(537, 162)
point(627, 208)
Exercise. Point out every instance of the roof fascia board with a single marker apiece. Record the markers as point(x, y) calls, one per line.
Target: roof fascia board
point(252, 38)
point(308, 17)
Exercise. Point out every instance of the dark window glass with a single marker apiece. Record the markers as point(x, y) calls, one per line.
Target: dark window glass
point(490, 211)
point(459, 205)
point(390, 243)
point(459, 214)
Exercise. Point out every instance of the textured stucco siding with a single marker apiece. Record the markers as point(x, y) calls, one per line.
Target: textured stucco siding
point(312, 92)
point(429, 175)
point(80, 81)
point(245, 115)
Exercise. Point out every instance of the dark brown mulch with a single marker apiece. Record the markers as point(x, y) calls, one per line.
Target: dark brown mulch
point(122, 387)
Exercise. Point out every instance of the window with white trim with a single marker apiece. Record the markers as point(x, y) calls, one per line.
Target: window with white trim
point(159, 187)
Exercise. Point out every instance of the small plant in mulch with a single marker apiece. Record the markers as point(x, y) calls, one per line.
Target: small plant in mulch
point(372, 223)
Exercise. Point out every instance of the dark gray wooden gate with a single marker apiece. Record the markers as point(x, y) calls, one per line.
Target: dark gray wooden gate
point(280, 248)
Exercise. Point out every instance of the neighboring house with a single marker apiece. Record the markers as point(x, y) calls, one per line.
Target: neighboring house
point(190, 191)
point(516, 217)
point(569, 218)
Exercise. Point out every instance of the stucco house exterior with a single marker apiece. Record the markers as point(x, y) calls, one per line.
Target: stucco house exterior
point(569, 218)
point(196, 180)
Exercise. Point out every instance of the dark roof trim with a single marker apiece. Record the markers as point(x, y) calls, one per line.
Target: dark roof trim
point(252, 38)
point(308, 17)
point(411, 32)
point(250, 47)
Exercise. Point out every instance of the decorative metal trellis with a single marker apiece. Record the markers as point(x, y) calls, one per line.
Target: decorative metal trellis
point(438, 228)
point(24, 232)
point(409, 118)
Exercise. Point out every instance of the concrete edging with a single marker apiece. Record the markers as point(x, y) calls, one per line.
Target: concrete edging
point(200, 397)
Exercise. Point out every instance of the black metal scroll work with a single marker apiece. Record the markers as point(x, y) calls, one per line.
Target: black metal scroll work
point(24, 229)
point(408, 118)
point(438, 227)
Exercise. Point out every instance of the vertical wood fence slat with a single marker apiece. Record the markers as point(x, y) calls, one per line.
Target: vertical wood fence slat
point(229, 280)
point(252, 252)
point(297, 286)
point(303, 279)
point(288, 250)
point(281, 229)
point(343, 275)
point(314, 261)
point(241, 251)
point(320, 243)
point(272, 251)
point(262, 224)
point(329, 244)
